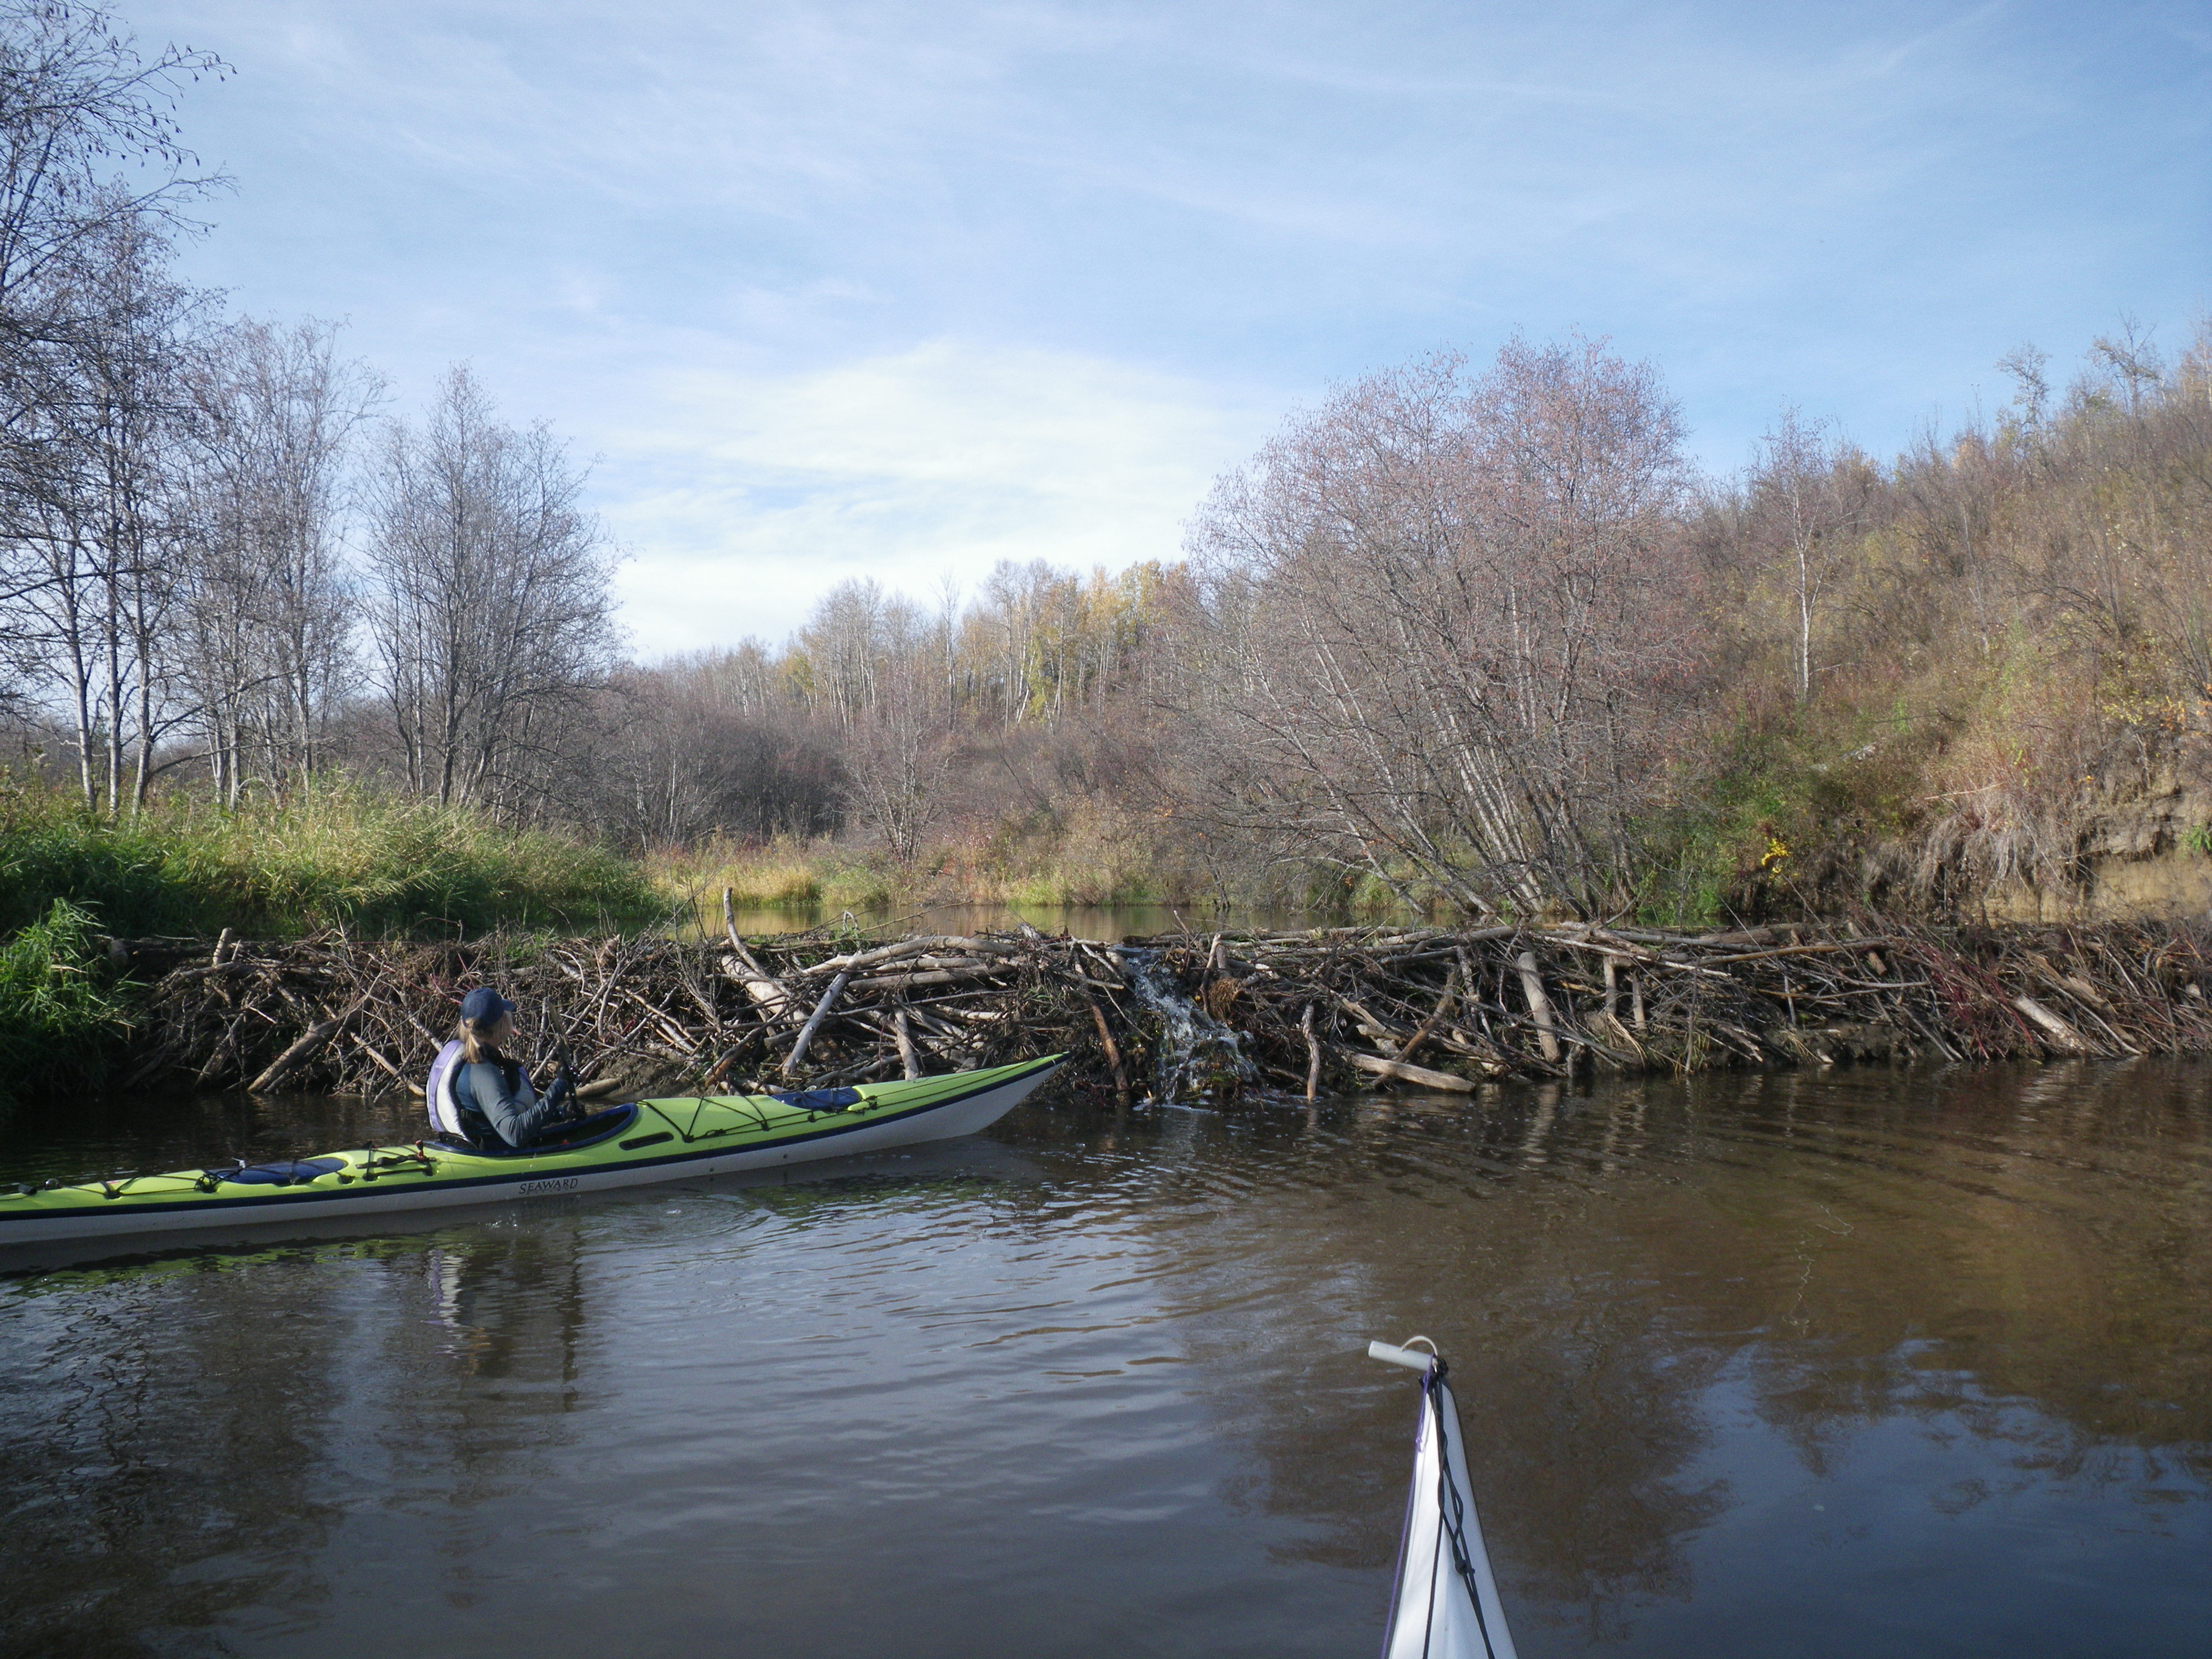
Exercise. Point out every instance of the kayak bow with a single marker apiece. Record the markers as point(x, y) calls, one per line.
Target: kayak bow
point(1445, 1603)
point(651, 1140)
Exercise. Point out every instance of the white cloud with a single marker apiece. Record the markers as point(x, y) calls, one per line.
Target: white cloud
point(710, 240)
point(747, 494)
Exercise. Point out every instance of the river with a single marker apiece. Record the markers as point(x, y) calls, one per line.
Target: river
point(1867, 1362)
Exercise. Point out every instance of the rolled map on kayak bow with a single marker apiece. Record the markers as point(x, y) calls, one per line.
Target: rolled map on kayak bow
point(1444, 1605)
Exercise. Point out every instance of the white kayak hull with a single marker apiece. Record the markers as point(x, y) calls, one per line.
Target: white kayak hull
point(1445, 1605)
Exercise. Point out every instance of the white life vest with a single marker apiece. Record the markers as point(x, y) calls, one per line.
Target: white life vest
point(446, 1106)
point(438, 1095)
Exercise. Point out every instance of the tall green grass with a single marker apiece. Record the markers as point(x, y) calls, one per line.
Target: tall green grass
point(60, 1023)
point(345, 855)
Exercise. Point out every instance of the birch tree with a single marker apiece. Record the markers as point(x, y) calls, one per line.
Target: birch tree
point(1810, 486)
point(273, 414)
point(491, 608)
point(898, 759)
point(93, 172)
point(96, 540)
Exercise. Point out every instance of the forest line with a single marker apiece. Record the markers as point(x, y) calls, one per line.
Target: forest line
point(1470, 637)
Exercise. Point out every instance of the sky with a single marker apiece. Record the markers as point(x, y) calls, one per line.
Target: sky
point(832, 290)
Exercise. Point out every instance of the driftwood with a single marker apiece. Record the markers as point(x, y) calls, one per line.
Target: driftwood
point(1218, 1013)
point(1405, 1073)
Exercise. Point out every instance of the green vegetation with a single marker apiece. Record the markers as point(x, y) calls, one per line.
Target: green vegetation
point(786, 872)
point(343, 856)
point(59, 1021)
point(1018, 862)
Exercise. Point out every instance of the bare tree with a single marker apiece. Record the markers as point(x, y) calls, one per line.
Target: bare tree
point(97, 542)
point(898, 758)
point(491, 607)
point(852, 630)
point(1441, 629)
point(691, 748)
point(744, 680)
point(1024, 634)
point(2026, 363)
point(269, 614)
point(872, 665)
point(77, 103)
point(82, 283)
point(1804, 478)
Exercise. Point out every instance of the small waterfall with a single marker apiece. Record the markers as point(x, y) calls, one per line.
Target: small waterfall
point(1197, 1056)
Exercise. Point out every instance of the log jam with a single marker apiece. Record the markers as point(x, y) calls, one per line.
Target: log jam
point(1189, 1015)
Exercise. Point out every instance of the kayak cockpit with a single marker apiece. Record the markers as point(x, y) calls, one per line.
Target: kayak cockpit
point(585, 1131)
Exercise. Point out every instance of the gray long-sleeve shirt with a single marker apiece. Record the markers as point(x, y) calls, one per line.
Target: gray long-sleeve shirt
point(499, 1091)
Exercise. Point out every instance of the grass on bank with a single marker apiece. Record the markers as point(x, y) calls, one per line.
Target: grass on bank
point(344, 855)
point(60, 1022)
point(1069, 859)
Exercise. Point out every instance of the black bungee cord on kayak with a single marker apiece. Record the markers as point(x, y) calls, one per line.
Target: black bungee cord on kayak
point(815, 1102)
point(684, 1134)
point(1451, 1508)
point(1427, 1620)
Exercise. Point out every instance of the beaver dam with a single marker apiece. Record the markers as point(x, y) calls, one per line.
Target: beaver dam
point(1184, 1016)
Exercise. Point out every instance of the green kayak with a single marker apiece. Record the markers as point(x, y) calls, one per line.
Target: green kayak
point(624, 1146)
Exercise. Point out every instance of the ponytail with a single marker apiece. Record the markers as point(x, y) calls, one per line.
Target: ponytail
point(474, 1048)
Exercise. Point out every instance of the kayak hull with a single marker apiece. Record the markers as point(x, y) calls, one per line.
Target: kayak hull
point(665, 1140)
point(1445, 1605)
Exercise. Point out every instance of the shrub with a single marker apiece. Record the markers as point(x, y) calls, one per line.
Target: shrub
point(60, 1023)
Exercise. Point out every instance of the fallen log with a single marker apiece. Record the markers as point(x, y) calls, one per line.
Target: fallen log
point(317, 1036)
point(793, 1060)
point(1405, 1073)
point(2049, 1021)
point(1540, 1005)
point(931, 976)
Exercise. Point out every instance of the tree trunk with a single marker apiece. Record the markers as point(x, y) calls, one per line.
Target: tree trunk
point(1540, 1005)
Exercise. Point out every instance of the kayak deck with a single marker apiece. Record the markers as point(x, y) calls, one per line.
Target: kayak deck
point(654, 1140)
point(1445, 1604)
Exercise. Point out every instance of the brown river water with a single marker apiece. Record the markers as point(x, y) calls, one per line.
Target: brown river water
point(1894, 1362)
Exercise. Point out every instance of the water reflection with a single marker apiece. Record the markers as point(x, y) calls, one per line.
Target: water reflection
point(2015, 1263)
point(189, 1438)
point(1766, 1364)
point(130, 1466)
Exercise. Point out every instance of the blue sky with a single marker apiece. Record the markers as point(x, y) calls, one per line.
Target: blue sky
point(896, 290)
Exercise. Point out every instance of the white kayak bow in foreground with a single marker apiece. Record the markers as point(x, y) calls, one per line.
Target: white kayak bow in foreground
point(1445, 1605)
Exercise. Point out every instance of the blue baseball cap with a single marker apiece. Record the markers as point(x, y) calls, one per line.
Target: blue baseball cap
point(484, 1005)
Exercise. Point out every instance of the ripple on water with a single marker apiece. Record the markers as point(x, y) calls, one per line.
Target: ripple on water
point(1866, 1360)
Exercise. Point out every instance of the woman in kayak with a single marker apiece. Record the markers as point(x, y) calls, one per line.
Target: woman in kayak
point(477, 1095)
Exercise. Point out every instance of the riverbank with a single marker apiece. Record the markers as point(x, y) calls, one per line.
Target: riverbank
point(1183, 1016)
point(340, 855)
